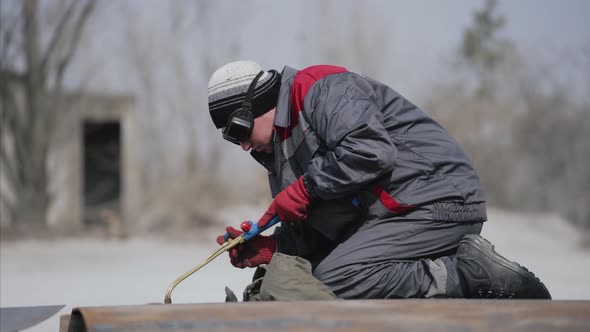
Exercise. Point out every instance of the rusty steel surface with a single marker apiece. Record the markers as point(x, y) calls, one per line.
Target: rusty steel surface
point(351, 315)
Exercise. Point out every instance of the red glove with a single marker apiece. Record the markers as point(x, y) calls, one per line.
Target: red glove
point(290, 204)
point(256, 251)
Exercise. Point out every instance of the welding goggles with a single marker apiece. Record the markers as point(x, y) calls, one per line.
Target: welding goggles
point(241, 122)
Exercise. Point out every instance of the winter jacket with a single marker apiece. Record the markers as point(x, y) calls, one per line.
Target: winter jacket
point(351, 136)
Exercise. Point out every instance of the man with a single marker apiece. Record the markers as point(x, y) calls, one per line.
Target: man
point(371, 190)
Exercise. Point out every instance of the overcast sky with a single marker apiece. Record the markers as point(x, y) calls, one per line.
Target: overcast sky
point(425, 34)
point(421, 39)
point(422, 35)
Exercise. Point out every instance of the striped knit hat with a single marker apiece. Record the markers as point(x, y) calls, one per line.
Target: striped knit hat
point(228, 86)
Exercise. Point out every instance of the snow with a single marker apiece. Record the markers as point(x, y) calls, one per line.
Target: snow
point(95, 272)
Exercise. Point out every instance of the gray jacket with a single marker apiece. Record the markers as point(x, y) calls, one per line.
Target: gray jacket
point(351, 136)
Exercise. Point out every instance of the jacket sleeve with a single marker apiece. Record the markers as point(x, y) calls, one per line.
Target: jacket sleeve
point(358, 147)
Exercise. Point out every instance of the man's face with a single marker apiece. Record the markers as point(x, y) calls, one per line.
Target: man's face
point(261, 138)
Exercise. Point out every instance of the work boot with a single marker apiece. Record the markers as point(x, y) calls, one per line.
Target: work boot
point(488, 274)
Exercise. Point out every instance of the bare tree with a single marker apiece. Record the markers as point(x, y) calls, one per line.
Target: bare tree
point(142, 58)
point(482, 49)
point(526, 130)
point(36, 53)
point(554, 134)
point(361, 44)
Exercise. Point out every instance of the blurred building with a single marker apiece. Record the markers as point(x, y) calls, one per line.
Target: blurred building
point(92, 162)
point(93, 166)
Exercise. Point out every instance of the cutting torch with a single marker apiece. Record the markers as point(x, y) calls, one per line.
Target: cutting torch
point(250, 229)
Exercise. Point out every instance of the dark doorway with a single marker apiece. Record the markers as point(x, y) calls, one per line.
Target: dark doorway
point(102, 171)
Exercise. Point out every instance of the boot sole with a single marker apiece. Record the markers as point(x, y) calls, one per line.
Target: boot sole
point(484, 246)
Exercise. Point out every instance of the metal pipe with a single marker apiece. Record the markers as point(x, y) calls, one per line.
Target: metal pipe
point(435, 315)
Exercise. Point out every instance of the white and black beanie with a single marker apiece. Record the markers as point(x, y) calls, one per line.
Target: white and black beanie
point(228, 87)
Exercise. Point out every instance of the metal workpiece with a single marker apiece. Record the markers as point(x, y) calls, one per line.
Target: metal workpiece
point(20, 318)
point(339, 315)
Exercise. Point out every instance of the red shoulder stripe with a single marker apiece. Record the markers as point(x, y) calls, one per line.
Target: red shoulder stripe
point(302, 82)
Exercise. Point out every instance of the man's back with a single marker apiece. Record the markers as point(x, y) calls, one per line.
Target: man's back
point(429, 165)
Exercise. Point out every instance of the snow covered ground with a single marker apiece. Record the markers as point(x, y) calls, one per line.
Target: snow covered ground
point(93, 272)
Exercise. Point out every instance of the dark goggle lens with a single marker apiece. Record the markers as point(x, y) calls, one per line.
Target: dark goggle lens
point(237, 130)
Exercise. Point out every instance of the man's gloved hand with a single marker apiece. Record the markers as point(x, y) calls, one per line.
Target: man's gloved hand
point(290, 204)
point(256, 251)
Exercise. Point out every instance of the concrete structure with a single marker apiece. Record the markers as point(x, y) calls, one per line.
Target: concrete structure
point(69, 162)
point(92, 163)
